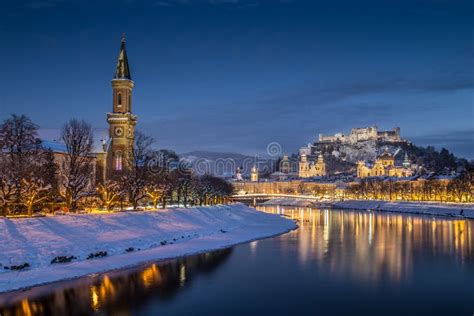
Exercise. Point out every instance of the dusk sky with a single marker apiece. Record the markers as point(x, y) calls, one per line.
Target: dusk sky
point(235, 75)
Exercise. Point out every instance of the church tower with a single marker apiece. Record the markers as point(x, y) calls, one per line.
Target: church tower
point(121, 120)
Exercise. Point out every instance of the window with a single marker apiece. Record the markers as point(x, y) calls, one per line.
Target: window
point(130, 103)
point(119, 100)
point(118, 161)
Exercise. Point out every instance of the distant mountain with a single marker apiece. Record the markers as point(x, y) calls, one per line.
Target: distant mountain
point(223, 164)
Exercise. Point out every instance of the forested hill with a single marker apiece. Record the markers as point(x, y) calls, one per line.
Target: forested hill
point(343, 157)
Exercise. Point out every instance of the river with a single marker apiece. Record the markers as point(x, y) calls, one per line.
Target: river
point(336, 263)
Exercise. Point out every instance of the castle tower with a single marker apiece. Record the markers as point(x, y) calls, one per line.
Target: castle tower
point(121, 120)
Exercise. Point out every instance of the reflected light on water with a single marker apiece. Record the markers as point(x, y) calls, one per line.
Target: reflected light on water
point(380, 244)
point(119, 290)
point(383, 259)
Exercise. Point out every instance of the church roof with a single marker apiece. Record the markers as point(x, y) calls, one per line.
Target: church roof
point(51, 139)
point(122, 71)
point(386, 155)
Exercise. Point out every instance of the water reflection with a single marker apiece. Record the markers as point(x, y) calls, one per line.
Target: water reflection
point(337, 263)
point(115, 291)
point(375, 246)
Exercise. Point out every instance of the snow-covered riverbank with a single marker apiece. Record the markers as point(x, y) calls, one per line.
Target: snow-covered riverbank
point(429, 208)
point(127, 238)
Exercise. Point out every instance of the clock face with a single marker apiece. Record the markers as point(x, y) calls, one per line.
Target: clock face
point(118, 131)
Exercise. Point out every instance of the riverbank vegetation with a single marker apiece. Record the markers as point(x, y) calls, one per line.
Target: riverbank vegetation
point(34, 178)
point(454, 190)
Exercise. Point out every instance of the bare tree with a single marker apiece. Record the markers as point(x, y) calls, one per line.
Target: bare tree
point(77, 168)
point(159, 188)
point(109, 192)
point(212, 190)
point(19, 148)
point(7, 185)
point(140, 165)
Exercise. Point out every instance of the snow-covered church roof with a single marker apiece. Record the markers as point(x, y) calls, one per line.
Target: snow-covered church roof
point(51, 139)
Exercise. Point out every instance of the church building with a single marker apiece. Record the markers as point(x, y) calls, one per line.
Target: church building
point(384, 166)
point(309, 170)
point(117, 152)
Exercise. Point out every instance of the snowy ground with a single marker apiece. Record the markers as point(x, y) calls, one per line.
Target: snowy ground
point(431, 208)
point(153, 235)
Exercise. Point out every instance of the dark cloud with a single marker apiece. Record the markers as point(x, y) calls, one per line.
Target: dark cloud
point(318, 94)
point(461, 142)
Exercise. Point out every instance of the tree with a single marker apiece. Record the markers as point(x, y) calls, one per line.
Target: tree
point(212, 190)
point(186, 182)
point(76, 170)
point(165, 158)
point(49, 170)
point(7, 185)
point(34, 190)
point(108, 192)
point(460, 188)
point(19, 148)
point(140, 166)
point(158, 188)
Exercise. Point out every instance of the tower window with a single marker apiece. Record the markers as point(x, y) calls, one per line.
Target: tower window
point(118, 161)
point(119, 100)
point(130, 103)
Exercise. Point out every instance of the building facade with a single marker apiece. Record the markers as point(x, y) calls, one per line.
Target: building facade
point(308, 170)
point(360, 134)
point(384, 166)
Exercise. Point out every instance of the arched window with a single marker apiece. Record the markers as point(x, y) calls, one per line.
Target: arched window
point(119, 100)
point(118, 161)
point(130, 103)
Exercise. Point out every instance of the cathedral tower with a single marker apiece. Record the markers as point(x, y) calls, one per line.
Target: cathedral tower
point(121, 120)
point(254, 174)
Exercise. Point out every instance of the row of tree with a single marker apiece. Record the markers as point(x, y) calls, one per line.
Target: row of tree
point(32, 176)
point(453, 190)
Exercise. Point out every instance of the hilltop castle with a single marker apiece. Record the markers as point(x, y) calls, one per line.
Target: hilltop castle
point(359, 134)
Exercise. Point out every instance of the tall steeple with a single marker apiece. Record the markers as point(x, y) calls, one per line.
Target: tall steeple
point(121, 120)
point(122, 71)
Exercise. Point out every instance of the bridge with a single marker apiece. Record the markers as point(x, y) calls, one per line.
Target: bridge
point(253, 198)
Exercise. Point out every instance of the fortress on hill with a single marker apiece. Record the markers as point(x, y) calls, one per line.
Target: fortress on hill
point(360, 134)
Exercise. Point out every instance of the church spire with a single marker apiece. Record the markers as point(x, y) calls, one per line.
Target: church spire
point(122, 70)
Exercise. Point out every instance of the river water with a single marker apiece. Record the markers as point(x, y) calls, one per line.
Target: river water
point(336, 263)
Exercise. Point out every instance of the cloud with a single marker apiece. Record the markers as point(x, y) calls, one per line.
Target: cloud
point(320, 94)
point(461, 142)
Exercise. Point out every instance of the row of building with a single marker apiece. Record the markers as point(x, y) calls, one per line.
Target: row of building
point(384, 166)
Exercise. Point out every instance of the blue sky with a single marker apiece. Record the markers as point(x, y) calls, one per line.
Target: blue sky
point(235, 75)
